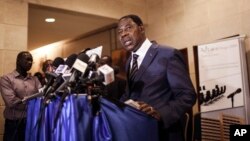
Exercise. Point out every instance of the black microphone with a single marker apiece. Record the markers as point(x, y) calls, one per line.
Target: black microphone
point(67, 65)
point(79, 68)
point(58, 61)
point(59, 79)
point(71, 60)
point(50, 76)
point(94, 58)
point(234, 93)
point(85, 50)
point(38, 94)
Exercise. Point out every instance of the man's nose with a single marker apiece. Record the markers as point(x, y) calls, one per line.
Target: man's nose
point(124, 33)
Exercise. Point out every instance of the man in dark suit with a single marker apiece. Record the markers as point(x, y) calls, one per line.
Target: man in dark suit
point(158, 80)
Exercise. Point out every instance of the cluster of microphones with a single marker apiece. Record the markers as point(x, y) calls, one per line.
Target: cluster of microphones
point(78, 74)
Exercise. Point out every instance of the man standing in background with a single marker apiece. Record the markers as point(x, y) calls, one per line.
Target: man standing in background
point(158, 79)
point(14, 87)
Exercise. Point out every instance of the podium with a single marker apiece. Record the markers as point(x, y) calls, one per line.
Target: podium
point(78, 120)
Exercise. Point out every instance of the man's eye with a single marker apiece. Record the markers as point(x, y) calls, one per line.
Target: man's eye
point(128, 27)
point(119, 32)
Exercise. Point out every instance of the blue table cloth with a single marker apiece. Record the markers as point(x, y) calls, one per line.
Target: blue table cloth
point(74, 120)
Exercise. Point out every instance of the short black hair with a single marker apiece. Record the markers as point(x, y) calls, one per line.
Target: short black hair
point(135, 18)
point(21, 54)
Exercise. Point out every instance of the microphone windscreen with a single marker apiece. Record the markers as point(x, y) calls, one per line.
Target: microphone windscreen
point(58, 61)
point(83, 57)
point(70, 60)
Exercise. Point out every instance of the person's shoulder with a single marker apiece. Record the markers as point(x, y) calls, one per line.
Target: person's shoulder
point(164, 49)
point(8, 76)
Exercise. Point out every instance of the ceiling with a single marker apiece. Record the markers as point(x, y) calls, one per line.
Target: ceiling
point(68, 25)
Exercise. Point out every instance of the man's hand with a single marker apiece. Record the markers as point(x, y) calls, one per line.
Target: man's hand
point(149, 110)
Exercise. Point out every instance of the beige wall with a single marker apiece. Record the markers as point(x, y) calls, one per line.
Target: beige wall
point(74, 46)
point(179, 23)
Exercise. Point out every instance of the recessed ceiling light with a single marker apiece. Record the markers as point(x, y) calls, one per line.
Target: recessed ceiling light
point(50, 20)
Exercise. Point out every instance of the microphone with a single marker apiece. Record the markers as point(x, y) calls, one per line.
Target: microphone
point(71, 60)
point(67, 65)
point(57, 61)
point(39, 94)
point(78, 68)
point(52, 75)
point(105, 75)
point(94, 58)
point(234, 93)
point(85, 50)
point(61, 70)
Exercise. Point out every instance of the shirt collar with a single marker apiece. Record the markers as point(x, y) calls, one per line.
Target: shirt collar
point(17, 74)
point(142, 51)
point(143, 48)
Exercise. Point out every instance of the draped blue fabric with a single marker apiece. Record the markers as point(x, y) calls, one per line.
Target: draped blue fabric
point(84, 118)
point(64, 127)
point(101, 130)
point(32, 116)
point(76, 122)
point(128, 124)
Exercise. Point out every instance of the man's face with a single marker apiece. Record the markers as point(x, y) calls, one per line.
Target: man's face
point(130, 35)
point(25, 62)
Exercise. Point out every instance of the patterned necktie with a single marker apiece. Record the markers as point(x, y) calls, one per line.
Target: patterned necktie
point(134, 67)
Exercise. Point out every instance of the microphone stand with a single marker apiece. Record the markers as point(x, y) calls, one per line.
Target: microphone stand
point(93, 98)
point(232, 100)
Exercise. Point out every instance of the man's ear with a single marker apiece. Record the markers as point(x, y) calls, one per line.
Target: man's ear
point(142, 29)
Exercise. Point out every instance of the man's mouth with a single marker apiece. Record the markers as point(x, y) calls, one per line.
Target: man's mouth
point(127, 43)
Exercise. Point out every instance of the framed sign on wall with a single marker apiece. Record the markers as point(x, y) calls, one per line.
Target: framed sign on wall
point(222, 77)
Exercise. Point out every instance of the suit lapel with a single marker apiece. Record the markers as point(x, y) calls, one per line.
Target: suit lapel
point(146, 61)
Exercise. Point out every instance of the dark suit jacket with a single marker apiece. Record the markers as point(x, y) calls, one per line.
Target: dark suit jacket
point(163, 82)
